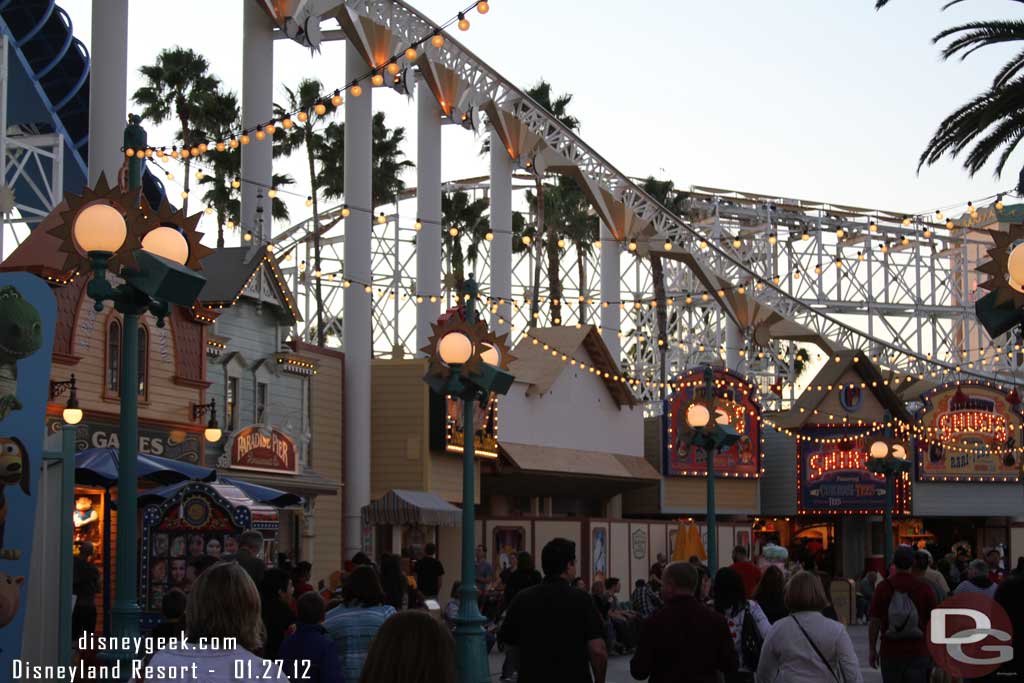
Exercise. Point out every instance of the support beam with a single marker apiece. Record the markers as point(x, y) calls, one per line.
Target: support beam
point(108, 88)
point(610, 325)
point(428, 210)
point(733, 345)
point(501, 226)
point(257, 109)
point(358, 333)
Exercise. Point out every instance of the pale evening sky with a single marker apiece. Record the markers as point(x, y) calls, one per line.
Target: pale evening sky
point(816, 99)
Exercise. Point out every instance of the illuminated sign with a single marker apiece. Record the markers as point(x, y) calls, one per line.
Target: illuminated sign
point(735, 406)
point(485, 427)
point(260, 448)
point(969, 432)
point(833, 477)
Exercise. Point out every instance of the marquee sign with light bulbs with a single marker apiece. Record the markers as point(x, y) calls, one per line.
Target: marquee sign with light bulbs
point(833, 474)
point(970, 432)
point(734, 405)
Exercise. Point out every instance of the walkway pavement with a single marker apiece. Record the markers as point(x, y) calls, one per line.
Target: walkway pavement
point(618, 667)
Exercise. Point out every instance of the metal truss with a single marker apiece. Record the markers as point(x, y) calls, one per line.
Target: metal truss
point(901, 291)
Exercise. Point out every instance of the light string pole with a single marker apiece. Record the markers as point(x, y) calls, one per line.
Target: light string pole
point(468, 361)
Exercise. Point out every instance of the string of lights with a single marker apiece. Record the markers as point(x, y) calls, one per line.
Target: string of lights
point(391, 68)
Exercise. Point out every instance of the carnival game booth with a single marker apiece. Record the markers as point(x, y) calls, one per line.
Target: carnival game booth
point(969, 450)
point(817, 488)
point(183, 521)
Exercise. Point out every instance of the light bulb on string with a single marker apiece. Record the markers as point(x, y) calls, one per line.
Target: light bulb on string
point(437, 40)
point(320, 108)
point(270, 128)
point(418, 225)
point(381, 218)
point(336, 99)
point(309, 200)
point(453, 231)
point(949, 224)
point(483, 7)
point(410, 54)
point(169, 175)
point(377, 80)
point(302, 116)
point(463, 22)
point(393, 68)
point(804, 236)
point(772, 239)
point(260, 135)
point(526, 240)
point(489, 236)
point(271, 193)
point(245, 139)
point(345, 211)
point(287, 122)
point(220, 147)
point(356, 90)
point(248, 236)
point(999, 203)
point(236, 183)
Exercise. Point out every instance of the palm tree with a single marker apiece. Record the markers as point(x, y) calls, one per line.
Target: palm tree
point(993, 121)
point(307, 134)
point(389, 161)
point(218, 112)
point(176, 85)
point(541, 94)
point(664, 192)
point(470, 220)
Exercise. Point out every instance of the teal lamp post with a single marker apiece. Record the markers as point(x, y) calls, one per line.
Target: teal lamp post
point(708, 429)
point(888, 457)
point(155, 276)
point(470, 362)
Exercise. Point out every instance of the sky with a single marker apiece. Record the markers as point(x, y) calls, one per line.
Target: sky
point(811, 99)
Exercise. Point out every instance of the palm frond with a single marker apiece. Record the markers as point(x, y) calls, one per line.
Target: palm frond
point(971, 37)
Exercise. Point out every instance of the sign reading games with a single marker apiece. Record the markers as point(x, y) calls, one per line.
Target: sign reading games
point(734, 397)
point(971, 432)
point(258, 447)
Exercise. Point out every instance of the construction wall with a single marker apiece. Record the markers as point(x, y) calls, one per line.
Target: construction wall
point(400, 430)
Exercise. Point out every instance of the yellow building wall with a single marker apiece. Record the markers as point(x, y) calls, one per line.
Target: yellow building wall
point(445, 477)
point(326, 458)
point(400, 428)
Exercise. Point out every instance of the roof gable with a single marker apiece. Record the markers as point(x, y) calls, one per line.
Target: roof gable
point(850, 363)
point(236, 271)
point(540, 364)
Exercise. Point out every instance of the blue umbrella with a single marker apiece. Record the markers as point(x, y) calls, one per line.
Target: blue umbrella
point(263, 494)
point(255, 492)
point(99, 467)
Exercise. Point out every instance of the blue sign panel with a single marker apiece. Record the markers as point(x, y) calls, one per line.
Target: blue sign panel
point(29, 312)
point(834, 476)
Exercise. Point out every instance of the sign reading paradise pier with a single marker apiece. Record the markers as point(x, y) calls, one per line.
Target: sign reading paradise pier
point(834, 477)
point(971, 432)
point(734, 403)
point(262, 448)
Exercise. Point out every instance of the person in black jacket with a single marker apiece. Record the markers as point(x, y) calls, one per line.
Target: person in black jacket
point(86, 584)
point(276, 609)
point(523, 576)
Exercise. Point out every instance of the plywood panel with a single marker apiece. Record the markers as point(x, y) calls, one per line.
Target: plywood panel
point(688, 495)
point(639, 549)
point(570, 529)
point(618, 554)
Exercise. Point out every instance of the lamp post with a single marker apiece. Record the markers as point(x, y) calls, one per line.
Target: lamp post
point(469, 362)
point(72, 414)
point(212, 431)
point(888, 457)
point(155, 277)
point(711, 435)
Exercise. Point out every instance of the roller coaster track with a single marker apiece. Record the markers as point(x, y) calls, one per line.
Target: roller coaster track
point(640, 216)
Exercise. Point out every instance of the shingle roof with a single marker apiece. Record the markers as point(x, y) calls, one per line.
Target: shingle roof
point(228, 270)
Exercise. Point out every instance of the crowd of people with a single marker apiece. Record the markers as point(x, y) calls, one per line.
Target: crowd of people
point(747, 623)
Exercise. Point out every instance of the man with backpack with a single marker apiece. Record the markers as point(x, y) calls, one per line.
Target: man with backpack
point(900, 609)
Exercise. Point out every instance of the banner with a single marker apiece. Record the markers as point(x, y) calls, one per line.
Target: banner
point(28, 313)
point(734, 396)
point(971, 432)
point(833, 477)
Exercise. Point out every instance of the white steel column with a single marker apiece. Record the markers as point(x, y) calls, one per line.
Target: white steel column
point(428, 210)
point(610, 253)
point(108, 88)
point(358, 333)
point(733, 344)
point(501, 226)
point(257, 110)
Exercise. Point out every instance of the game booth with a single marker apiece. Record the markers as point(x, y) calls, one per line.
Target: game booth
point(185, 511)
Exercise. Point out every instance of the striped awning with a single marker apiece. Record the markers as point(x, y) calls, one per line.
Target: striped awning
point(412, 507)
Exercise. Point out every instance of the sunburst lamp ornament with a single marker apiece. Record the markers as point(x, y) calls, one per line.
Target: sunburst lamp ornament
point(1002, 309)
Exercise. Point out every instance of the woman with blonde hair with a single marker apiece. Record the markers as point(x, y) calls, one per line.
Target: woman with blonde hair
point(806, 646)
point(224, 630)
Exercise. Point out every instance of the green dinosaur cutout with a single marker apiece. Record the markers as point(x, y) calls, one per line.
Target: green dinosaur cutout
point(21, 335)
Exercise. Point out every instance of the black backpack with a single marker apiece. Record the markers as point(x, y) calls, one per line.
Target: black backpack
point(750, 640)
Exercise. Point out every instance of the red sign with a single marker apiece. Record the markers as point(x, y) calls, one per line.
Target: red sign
point(734, 402)
point(261, 448)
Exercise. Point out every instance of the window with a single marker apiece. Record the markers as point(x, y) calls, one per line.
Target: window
point(231, 403)
point(114, 357)
point(261, 402)
point(143, 361)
